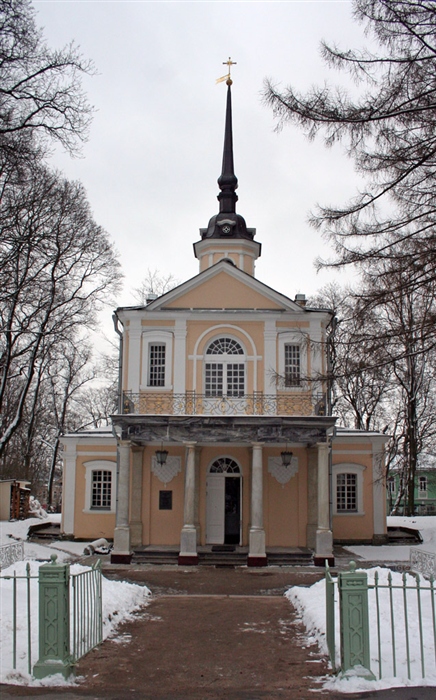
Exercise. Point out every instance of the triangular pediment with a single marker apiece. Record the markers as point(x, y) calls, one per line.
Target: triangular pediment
point(224, 286)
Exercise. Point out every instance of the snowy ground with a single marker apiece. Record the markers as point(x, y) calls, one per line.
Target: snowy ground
point(120, 600)
point(425, 524)
point(310, 601)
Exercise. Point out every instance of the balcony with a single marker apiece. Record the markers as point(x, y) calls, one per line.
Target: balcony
point(193, 404)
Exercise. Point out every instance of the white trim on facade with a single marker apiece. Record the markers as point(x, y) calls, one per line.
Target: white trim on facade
point(345, 468)
point(165, 338)
point(69, 486)
point(99, 465)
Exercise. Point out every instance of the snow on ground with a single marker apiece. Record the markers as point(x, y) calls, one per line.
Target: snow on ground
point(120, 600)
point(310, 603)
point(16, 530)
point(426, 524)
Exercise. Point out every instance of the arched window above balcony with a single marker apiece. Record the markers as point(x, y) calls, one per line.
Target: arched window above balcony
point(223, 376)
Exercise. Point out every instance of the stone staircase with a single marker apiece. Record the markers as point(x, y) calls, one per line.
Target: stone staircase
point(223, 556)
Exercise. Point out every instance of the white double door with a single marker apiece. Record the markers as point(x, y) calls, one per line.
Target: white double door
point(223, 509)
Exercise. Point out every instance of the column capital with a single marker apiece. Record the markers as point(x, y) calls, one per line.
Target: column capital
point(137, 448)
point(191, 443)
point(257, 445)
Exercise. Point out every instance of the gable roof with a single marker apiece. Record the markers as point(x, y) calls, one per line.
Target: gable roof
point(223, 286)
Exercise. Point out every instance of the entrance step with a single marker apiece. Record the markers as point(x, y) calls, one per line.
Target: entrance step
point(222, 556)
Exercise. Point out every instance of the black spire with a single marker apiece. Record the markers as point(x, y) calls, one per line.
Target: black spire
point(228, 182)
point(228, 224)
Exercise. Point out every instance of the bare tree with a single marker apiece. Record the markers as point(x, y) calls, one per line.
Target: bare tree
point(389, 131)
point(41, 97)
point(154, 282)
point(57, 268)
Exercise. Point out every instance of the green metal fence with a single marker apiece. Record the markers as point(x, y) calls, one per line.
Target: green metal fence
point(387, 626)
point(21, 602)
point(86, 604)
point(62, 610)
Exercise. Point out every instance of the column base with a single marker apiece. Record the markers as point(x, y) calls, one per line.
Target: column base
point(320, 561)
point(253, 560)
point(187, 559)
point(119, 558)
point(256, 542)
point(188, 546)
point(323, 548)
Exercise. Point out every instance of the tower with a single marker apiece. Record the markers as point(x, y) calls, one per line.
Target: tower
point(227, 236)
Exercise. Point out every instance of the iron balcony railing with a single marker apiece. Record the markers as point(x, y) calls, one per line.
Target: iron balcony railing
point(191, 403)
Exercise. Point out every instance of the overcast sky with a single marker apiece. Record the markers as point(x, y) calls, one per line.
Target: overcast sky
point(154, 153)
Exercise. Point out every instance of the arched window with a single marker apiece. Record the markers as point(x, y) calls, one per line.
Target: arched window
point(225, 465)
point(224, 372)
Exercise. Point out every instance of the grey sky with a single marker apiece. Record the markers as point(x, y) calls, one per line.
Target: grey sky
point(154, 154)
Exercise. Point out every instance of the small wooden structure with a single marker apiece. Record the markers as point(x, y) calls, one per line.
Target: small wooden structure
point(14, 499)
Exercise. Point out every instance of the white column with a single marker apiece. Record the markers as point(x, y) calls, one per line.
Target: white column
point(270, 357)
point(134, 355)
point(324, 536)
point(188, 538)
point(180, 357)
point(136, 500)
point(69, 487)
point(257, 554)
point(121, 551)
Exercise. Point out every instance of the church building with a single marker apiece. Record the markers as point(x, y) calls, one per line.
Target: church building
point(224, 438)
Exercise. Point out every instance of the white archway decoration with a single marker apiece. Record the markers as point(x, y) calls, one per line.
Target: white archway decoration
point(251, 358)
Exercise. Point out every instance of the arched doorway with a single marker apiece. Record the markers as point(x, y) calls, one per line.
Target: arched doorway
point(224, 502)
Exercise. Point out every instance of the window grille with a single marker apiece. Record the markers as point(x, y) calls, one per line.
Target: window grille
point(422, 485)
point(101, 489)
point(156, 365)
point(391, 485)
point(292, 365)
point(225, 465)
point(224, 346)
point(346, 493)
point(222, 376)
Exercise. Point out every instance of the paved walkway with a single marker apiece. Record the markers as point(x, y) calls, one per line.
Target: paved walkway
point(207, 633)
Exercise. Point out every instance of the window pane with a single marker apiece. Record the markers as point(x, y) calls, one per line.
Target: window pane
point(292, 365)
point(224, 346)
point(214, 379)
point(101, 489)
point(156, 365)
point(346, 492)
point(235, 379)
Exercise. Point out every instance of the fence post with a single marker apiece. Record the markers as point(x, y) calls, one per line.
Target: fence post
point(354, 622)
point(54, 621)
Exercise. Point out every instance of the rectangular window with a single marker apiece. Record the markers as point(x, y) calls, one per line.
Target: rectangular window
point(101, 495)
point(156, 364)
point(292, 365)
point(391, 485)
point(422, 485)
point(346, 493)
point(214, 379)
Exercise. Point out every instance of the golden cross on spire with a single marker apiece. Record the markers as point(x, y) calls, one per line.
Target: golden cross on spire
point(227, 77)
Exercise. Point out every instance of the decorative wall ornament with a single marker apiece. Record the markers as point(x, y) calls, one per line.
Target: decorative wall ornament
point(166, 472)
point(279, 472)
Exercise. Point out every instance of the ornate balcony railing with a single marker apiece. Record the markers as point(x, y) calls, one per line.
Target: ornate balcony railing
point(191, 403)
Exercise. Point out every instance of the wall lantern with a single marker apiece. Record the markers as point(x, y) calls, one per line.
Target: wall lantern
point(161, 456)
point(286, 456)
